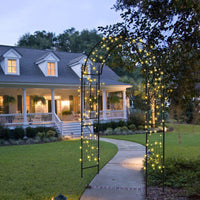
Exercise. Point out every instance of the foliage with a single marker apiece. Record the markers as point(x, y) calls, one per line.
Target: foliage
point(118, 130)
point(37, 98)
point(40, 39)
point(170, 31)
point(27, 170)
point(137, 117)
point(50, 133)
point(4, 133)
point(30, 132)
point(66, 112)
point(132, 127)
point(179, 173)
point(6, 101)
point(108, 131)
point(18, 133)
point(70, 40)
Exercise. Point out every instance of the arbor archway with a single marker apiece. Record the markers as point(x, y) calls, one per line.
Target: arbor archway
point(91, 83)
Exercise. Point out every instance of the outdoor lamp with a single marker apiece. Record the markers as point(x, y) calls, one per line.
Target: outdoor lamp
point(60, 197)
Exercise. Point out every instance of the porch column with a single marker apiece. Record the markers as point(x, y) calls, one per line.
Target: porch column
point(124, 104)
point(24, 106)
point(53, 103)
point(104, 105)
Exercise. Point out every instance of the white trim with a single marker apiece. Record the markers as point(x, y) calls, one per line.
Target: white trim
point(104, 104)
point(11, 54)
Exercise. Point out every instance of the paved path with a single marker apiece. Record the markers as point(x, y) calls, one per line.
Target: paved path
point(121, 178)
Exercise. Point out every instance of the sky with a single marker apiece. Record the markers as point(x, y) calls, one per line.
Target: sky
point(18, 17)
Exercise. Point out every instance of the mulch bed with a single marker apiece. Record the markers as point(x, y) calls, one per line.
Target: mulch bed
point(156, 193)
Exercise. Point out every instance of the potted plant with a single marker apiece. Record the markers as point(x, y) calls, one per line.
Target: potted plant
point(67, 115)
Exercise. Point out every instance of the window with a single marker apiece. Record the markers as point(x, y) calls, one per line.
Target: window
point(12, 66)
point(51, 69)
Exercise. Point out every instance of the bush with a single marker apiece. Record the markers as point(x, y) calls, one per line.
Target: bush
point(53, 139)
point(132, 127)
point(4, 133)
point(50, 133)
point(108, 131)
point(46, 140)
point(179, 173)
point(118, 130)
point(30, 141)
point(13, 142)
point(20, 141)
point(18, 133)
point(30, 132)
point(124, 129)
point(66, 112)
point(140, 127)
point(137, 118)
point(41, 135)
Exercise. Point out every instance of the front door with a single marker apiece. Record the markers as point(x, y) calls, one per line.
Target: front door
point(50, 108)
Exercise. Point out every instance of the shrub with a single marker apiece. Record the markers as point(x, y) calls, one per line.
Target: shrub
point(41, 135)
point(124, 129)
point(13, 142)
point(132, 127)
point(179, 173)
point(38, 139)
point(46, 140)
point(50, 133)
point(108, 131)
point(1, 141)
point(66, 112)
point(20, 141)
point(18, 133)
point(4, 133)
point(140, 127)
point(118, 130)
point(30, 141)
point(53, 139)
point(30, 132)
point(137, 118)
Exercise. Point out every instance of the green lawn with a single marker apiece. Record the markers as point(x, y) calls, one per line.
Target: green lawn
point(42, 171)
point(183, 142)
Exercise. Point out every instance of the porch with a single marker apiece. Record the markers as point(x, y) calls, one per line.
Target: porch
point(24, 111)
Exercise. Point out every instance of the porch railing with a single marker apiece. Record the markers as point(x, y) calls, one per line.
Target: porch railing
point(58, 122)
point(110, 114)
point(114, 114)
point(14, 119)
point(39, 118)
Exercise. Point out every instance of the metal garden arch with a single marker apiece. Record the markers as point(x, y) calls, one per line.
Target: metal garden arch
point(154, 98)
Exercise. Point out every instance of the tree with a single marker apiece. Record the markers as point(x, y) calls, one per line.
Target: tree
point(40, 39)
point(172, 27)
point(70, 41)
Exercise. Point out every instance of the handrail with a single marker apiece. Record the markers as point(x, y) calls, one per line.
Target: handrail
point(58, 122)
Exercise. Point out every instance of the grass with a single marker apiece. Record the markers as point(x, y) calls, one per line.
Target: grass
point(182, 142)
point(42, 171)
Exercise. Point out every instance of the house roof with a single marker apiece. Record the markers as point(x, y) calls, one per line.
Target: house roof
point(31, 73)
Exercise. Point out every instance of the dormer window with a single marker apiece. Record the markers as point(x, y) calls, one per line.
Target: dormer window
point(51, 69)
point(48, 64)
point(12, 66)
point(11, 62)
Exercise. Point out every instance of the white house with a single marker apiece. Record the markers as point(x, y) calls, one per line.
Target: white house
point(54, 76)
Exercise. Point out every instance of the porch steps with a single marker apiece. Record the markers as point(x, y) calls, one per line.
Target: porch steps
point(73, 129)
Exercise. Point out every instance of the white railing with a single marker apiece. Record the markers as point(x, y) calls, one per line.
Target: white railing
point(110, 114)
point(58, 122)
point(14, 119)
point(114, 114)
point(39, 118)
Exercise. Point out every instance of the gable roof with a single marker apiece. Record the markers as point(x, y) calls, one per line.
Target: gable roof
point(30, 72)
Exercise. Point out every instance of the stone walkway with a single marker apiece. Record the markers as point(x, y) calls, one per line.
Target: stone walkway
point(121, 178)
